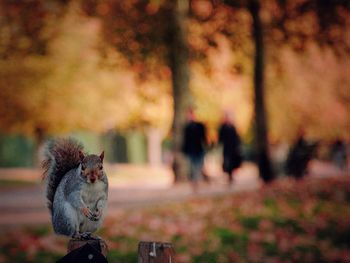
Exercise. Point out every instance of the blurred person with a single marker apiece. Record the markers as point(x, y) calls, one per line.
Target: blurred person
point(339, 154)
point(231, 142)
point(299, 156)
point(194, 143)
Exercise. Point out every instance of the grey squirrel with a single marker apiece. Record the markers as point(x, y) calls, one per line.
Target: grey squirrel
point(76, 188)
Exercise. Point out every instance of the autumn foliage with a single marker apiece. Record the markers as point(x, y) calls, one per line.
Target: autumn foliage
point(285, 222)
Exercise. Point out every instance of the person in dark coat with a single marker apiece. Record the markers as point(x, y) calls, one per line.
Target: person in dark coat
point(194, 143)
point(229, 138)
point(299, 156)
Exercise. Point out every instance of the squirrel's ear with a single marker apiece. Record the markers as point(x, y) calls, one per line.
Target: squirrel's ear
point(81, 156)
point(102, 155)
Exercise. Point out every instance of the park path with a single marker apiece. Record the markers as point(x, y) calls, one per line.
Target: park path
point(25, 205)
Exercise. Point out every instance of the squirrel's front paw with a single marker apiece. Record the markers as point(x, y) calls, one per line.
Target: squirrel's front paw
point(97, 214)
point(87, 212)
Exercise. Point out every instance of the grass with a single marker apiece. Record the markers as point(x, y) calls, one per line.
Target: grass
point(287, 222)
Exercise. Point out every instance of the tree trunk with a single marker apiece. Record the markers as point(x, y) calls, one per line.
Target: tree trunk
point(261, 141)
point(178, 62)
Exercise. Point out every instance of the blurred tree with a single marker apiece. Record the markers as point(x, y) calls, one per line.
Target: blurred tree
point(159, 39)
point(289, 23)
point(262, 152)
point(261, 140)
point(312, 39)
point(40, 91)
point(23, 43)
point(152, 35)
point(178, 62)
point(50, 52)
point(26, 27)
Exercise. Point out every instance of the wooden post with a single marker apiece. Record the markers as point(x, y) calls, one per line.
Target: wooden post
point(155, 252)
point(91, 250)
point(98, 244)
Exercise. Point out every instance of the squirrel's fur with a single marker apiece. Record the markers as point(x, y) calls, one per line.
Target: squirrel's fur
point(76, 188)
point(60, 157)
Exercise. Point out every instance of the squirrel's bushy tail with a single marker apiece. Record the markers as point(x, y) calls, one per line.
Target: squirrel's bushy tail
point(60, 156)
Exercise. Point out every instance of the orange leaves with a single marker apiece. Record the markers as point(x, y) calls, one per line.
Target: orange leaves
point(300, 221)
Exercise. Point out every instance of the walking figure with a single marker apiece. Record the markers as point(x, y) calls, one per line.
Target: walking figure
point(299, 156)
point(229, 138)
point(194, 143)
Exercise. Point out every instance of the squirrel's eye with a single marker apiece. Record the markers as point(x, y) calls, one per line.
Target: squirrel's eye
point(101, 167)
point(83, 167)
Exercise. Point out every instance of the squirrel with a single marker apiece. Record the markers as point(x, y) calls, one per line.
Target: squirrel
point(76, 188)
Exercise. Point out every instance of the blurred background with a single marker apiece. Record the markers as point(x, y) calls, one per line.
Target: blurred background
point(120, 75)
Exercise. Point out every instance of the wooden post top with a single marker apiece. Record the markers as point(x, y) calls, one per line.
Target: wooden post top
point(99, 244)
point(90, 251)
point(155, 252)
